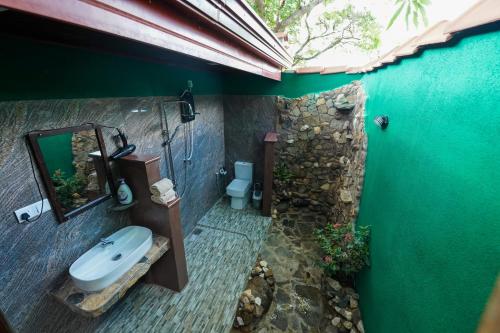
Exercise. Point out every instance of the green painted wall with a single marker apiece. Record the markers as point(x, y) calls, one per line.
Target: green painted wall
point(291, 85)
point(34, 70)
point(431, 191)
point(57, 152)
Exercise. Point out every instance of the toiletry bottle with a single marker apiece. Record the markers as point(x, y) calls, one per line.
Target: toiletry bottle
point(124, 192)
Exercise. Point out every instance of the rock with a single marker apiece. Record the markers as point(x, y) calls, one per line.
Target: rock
point(336, 321)
point(263, 263)
point(312, 294)
point(248, 308)
point(322, 109)
point(245, 300)
point(334, 284)
point(331, 329)
point(320, 101)
point(344, 104)
point(360, 327)
point(271, 281)
point(317, 130)
point(268, 273)
point(344, 313)
point(304, 128)
point(353, 304)
point(259, 311)
point(325, 187)
point(300, 202)
point(347, 324)
point(345, 196)
point(280, 320)
point(240, 321)
point(261, 290)
point(282, 207)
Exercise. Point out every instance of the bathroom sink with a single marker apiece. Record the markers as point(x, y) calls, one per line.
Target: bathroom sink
point(106, 262)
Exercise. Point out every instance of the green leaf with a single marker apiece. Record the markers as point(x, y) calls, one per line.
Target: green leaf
point(407, 15)
point(395, 16)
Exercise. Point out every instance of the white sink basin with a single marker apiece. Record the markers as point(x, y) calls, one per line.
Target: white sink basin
point(103, 264)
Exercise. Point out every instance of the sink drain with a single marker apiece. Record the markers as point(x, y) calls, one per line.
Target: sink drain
point(117, 257)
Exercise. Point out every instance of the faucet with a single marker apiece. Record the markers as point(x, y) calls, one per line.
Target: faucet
point(104, 242)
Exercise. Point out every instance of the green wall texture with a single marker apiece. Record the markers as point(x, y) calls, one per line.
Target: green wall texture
point(57, 152)
point(46, 71)
point(431, 191)
point(38, 70)
point(291, 85)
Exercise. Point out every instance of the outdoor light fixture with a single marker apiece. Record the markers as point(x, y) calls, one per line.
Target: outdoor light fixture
point(381, 121)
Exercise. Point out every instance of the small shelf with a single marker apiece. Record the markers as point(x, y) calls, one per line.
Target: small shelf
point(93, 304)
point(120, 208)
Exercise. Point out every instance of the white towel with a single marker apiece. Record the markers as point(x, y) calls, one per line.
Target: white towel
point(161, 187)
point(164, 198)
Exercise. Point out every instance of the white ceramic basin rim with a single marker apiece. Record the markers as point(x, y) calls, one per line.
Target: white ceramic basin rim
point(102, 265)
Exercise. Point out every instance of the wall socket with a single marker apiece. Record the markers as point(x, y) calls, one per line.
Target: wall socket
point(33, 210)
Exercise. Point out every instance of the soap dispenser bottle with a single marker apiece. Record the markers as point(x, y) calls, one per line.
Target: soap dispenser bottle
point(124, 193)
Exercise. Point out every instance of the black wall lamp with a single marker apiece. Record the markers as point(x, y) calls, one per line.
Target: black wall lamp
point(381, 121)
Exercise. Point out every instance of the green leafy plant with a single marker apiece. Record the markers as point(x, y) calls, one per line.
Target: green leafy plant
point(282, 173)
point(67, 188)
point(346, 250)
point(413, 8)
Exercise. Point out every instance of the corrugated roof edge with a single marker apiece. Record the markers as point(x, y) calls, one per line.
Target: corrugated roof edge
point(482, 13)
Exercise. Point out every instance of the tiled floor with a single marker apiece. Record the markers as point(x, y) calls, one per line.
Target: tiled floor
point(220, 254)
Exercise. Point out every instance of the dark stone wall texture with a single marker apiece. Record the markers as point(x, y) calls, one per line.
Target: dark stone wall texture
point(33, 257)
point(247, 119)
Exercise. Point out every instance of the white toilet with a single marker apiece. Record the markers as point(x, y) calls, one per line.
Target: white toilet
point(239, 189)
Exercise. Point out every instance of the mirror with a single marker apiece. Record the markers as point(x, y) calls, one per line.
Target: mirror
point(74, 167)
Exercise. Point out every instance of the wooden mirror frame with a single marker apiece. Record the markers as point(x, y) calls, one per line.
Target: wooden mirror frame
point(33, 137)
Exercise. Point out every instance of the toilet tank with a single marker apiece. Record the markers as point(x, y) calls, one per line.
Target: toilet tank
point(243, 170)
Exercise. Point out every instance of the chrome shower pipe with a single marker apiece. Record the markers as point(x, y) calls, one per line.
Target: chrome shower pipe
point(167, 147)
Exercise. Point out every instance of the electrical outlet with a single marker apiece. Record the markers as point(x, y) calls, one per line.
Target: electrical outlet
point(33, 210)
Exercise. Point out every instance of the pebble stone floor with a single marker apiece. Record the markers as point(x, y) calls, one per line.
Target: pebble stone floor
point(219, 263)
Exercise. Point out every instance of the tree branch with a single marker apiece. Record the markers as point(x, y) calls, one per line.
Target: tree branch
point(297, 14)
point(259, 5)
point(338, 41)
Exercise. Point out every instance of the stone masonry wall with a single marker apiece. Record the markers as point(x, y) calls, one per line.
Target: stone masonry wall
point(321, 152)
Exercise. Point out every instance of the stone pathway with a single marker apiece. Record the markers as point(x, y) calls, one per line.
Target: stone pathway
point(292, 252)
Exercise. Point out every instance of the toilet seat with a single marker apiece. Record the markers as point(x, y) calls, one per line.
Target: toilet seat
point(238, 188)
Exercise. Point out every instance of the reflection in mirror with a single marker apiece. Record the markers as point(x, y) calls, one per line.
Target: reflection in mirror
point(73, 163)
point(74, 167)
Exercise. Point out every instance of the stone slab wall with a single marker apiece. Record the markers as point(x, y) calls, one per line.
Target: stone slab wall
point(34, 256)
point(247, 119)
point(321, 152)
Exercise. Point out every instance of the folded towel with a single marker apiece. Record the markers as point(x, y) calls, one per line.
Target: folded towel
point(164, 198)
point(161, 187)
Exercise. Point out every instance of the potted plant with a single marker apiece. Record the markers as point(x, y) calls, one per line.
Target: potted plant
point(345, 250)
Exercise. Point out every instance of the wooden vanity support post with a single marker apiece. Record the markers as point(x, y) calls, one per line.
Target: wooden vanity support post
point(140, 172)
point(267, 195)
